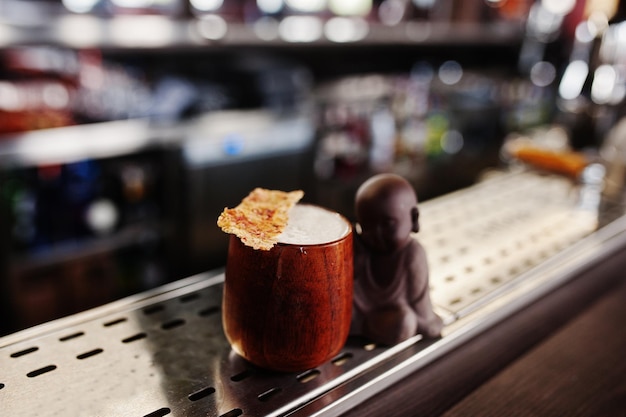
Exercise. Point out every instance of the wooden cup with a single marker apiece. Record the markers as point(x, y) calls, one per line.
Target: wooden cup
point(289, 308)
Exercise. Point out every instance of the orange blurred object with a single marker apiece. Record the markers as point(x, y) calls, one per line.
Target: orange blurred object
point(569, 163)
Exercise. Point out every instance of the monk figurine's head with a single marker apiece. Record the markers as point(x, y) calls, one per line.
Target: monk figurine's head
point(387, 213)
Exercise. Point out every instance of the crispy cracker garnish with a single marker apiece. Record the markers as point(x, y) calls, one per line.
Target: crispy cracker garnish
point(260, 217)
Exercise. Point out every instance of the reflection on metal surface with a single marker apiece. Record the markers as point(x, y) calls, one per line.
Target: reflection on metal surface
point(479, 242)
point(492, 248)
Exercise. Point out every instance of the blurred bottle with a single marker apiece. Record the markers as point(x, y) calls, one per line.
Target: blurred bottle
point(592, 85)
point(138, 202)
point(21, 203)
point(62, 193)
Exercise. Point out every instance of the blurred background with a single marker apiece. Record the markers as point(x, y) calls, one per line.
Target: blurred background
point(126, 126)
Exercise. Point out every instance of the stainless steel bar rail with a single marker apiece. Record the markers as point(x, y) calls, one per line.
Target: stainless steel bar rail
point(493, 248)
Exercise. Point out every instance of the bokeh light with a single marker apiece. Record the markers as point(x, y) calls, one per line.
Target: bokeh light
point(573, 79)
point(307, 6)
point(300, 29)
point(450, 72)
point(270, 6)
point(542, 74)
point(342, 29)
point(80, 6)
point(350, 7)
point(207, 5)
point(558, 7)
point(604, 81)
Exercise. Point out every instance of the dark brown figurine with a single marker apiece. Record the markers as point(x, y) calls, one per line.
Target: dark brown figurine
point(391, 294)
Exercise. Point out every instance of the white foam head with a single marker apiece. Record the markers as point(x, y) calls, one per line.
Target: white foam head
point(312, 225)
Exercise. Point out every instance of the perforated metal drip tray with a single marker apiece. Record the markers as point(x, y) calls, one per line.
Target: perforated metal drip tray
point(492, 248)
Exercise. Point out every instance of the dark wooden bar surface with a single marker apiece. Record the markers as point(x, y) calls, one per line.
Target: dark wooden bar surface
point(563, 355)
point(579, 371)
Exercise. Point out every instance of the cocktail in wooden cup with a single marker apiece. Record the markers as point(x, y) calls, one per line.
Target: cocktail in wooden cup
point(289, 308)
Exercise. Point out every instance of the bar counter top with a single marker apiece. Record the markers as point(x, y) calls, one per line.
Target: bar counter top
point(517, 262)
